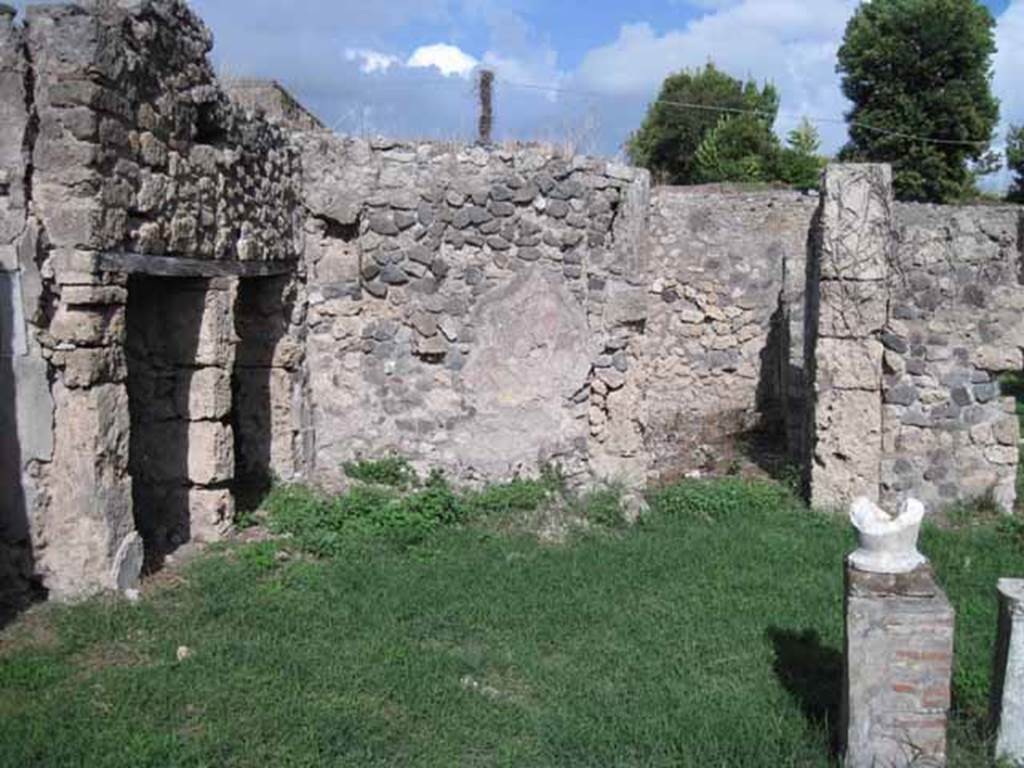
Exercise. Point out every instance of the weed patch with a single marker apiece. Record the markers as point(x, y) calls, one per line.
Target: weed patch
point(393, 471)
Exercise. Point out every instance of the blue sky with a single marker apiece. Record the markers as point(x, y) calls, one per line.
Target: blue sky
point(405, 67)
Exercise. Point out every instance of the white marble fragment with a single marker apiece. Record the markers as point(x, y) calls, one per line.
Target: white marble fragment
point(887, 544)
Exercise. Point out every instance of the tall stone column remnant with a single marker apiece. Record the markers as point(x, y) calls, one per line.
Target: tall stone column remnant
point(1008, 676)
point(847, 305)
point(899, 647)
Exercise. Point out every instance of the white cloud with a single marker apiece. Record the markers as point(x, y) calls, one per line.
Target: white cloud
point(1009, 61)
point(447, 59)
point(370, 61)
point(776, 40)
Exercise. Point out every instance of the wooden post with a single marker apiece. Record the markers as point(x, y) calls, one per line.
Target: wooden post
point(486, 89)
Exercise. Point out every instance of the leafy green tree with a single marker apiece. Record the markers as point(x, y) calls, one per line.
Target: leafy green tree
point(668, 140)
point(920, 68)
point(800, 163)
point(805, 138)
point(741, 148)
point(1015, 162)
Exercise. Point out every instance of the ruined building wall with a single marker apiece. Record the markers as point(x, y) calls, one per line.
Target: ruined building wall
point(716, 353)
point(133, 161)
point(554, 305)
point(478, 310)
point(914, 314)
point(192, 295)
point(955, 324)
point(165, 163)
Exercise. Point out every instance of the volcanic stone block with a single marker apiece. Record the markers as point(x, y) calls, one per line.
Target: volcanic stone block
point(851, 308)
point(899, 662)
point(1008, 676)
point(848, 428)
point(850, 364)
point(211, 453)
point(204, 394)
point(211, 513)
point(89, 511)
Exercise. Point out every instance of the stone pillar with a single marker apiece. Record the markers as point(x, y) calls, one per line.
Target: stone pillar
point(899, 662)
point(847, 298)
point(271, 407)
point(206, 403)
point(1008, 676)
point(83, 529)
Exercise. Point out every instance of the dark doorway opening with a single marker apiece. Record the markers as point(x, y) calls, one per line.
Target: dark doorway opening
point(261, 384)
point(163, 328)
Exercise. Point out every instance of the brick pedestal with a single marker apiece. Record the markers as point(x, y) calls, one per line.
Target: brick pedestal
point(899, 658)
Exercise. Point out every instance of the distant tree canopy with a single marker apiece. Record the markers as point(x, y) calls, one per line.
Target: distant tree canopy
point(730, 141)
point(921, 68)
point(667, 142)
point(800, 163)
point(1015, 162)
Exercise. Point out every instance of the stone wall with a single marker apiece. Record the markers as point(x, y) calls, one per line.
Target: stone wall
point(551, 303)
point(119, 154)
point(142, 149)
point(956, 322)
point(269, 99)
point(722, 299)
point(196, 293)
point(479, 310)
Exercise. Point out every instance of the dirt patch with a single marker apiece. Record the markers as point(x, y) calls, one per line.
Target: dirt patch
point(110, 655)
point(33, 630)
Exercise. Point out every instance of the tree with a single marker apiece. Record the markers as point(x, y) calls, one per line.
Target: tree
point(1015, 162)
point(800, 163)
point(741, 148)
point(668, 140)
point(920, 68)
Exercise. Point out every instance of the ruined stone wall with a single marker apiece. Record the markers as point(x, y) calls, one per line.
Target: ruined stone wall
point(481, 310)
point(715, 355)
point(478, 310)
point(488, 310)
point(269, 99)
point(120, 154)
point(956, 322)
point(143, 149)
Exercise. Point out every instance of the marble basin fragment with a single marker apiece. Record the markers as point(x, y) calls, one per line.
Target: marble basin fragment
point(888, 544)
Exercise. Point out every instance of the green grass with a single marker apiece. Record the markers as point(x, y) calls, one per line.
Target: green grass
point(709, 635)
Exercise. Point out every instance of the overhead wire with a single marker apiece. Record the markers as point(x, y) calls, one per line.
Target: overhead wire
point(757, 113)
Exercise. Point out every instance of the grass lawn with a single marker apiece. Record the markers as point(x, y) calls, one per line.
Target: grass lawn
point(708, 635)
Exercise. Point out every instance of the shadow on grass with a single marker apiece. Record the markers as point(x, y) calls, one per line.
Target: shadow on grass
point(812, 673)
